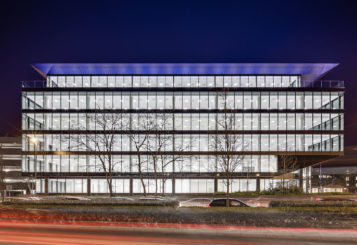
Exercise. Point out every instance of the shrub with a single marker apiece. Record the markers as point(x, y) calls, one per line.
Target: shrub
point(299, 203)
point(245, 193)
point(236, 193)
point(294, 190)
point(219, 193)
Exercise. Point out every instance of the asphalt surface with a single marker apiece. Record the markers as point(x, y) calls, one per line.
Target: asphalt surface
point(30, 233)
point(32, 226)
point(332, 219)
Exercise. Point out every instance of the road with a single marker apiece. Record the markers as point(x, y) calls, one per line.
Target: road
point(20, 232)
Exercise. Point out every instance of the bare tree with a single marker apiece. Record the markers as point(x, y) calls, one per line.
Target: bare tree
point(141, 143)
point(157, 144)
point(103, 143)
point(158, 141)
point(288, 164)
point(166, 141)
point(166, 161)
point(228, 144)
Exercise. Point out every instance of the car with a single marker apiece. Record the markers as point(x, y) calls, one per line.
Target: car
point(74, 198)
point(123, 198)
point(29, 198)
point(222, 202)
point(196, 202)
point(333, 199)
point(151, 199)
point(257, 203)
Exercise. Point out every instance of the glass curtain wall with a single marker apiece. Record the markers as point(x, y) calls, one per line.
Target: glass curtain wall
point(248, 81)
point(268, 122)
point(182, 100)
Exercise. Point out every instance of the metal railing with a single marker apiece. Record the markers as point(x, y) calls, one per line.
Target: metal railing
point(324, 84)
point(35, 84)
point(315, 84)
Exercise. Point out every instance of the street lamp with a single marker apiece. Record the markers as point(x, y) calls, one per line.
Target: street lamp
point(34, 140)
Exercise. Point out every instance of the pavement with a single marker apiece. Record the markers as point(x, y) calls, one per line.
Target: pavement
point(305, 197)
point(19, 232)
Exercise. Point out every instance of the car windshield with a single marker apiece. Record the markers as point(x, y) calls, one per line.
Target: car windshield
point(219, 202)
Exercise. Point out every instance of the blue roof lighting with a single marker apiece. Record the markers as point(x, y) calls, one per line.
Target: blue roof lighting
point(309, 71)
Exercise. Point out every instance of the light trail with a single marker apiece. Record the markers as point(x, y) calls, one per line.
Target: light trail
point(102, 233)
point(17, 233)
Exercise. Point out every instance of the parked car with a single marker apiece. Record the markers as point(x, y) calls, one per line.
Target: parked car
point(75, 198)
point(196, 202)
point(257, 203)
point(151, 199)
point(333, 199)
point(222, 202)
point(123, 198)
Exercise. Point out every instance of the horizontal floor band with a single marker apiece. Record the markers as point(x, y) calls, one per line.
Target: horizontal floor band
point(178, 132)
point(214, 153)
point(151, 176)
point(159, 111)
point(186, 89)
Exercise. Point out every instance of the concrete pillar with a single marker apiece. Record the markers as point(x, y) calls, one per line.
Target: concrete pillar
point(173, 185)
point(215, 184)
point(131, 185)
point(46, 186)
point(301, 179)
point(88, 186)
point(258, 184)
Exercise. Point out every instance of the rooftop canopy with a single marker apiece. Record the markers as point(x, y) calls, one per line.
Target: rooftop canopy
point(309, 71)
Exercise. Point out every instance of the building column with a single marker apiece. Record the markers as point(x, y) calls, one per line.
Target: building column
point(131, 185)
point(173, 185)
point(258, 184)
point(46, 186)
point(88, 186)
point(301, 178)
point(215, 184)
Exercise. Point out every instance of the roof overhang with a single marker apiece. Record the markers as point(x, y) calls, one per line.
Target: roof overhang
point(309, 71)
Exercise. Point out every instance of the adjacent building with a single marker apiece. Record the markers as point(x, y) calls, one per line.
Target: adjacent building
point(336, 175)
point(276, 112)
point(11, 180)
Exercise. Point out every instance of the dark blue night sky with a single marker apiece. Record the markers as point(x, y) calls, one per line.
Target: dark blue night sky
point(175, 31)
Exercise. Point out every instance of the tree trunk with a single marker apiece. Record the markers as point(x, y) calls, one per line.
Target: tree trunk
point(109, 175)
point(155, 176)
point(110, 185)
point(163, 178)
point(163, 186)
point(155, 184)
point(141, 175)
point(142, 182)
point(227, 193)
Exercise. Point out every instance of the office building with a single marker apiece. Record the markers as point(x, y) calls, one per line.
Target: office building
point(11, 180)
point(279, 111)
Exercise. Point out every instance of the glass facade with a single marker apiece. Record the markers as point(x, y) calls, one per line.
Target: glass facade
point(184, 100)
point(273, 115)
point(250, 81)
